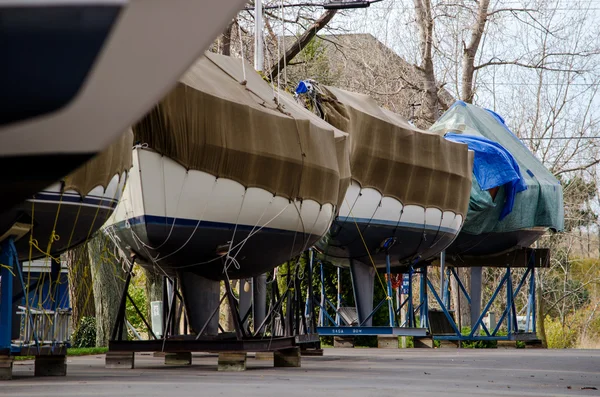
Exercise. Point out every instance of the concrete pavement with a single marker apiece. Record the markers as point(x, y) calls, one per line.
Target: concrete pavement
point(344, 372)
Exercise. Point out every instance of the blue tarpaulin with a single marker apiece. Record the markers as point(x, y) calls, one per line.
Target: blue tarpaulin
point(540, 205)
point(493, 166)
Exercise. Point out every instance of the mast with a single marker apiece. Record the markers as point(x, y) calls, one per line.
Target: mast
point(258, 37)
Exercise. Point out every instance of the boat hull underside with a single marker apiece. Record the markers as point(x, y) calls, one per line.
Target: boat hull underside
point(493, 243)
point(74, 224)
point(262, 252)
point(344, 242)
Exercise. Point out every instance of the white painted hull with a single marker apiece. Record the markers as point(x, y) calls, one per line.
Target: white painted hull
point(68, 216)
point(174, 218)
point(420, 232)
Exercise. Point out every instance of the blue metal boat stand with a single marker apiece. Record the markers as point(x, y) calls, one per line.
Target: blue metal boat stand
point(21, 325)
point(335, 321)
point(507, 289)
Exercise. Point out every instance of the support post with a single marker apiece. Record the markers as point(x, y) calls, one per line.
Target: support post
point(476, 282)
point(363, 278)
point(410, 308)
point(322, 304)
point(309, 298)
point(424, 301)
point(259, 297)
point(338, 297)
point(388, 272)
point(246, 298)
point(117, 332)
point(442, 277)
point(7, 273)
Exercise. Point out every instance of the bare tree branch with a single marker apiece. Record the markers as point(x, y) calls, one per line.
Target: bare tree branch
point(302, 41)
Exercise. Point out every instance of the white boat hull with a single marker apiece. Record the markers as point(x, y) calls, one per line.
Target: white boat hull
point(175, 219)
point(420, 233)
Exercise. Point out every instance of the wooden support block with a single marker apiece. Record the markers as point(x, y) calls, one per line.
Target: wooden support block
point(120, 360)
point(507, 344)
point(448, 343)
point(232, 361)
point(534, 344)
point(179, 358)
point(287, 357)
point(264, 356)
point(50, 366)
point(343, 341)
point(387, 342)
point(423, 343)
point(311, 352)
point(6, 367)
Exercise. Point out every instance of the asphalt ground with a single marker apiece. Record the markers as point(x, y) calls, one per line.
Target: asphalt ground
point(340, 372)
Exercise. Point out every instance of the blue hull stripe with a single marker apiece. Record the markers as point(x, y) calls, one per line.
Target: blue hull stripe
point(180, 222)
point(382, 222)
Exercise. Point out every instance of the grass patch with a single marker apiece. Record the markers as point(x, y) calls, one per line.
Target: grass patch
point(73, 351)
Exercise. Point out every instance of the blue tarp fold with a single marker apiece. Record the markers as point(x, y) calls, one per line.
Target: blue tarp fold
point(493, 166)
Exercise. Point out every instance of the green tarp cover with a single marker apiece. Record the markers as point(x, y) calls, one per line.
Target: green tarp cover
point(541, 205)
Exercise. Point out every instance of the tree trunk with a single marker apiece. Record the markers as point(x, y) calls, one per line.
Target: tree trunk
point(80, 284)
point(468, 62)
point(154, 289)
point(225, 316)
point(108, 281)
point(226, 49)
point(541, 314)
point(429, 110)
point(302, 41)
point(464, 316)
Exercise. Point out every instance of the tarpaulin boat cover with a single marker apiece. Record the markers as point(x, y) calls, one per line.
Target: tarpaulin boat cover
point(493, 166)
point(222, 118)
point(537, 194)
point(100, 170)
point(397, 159)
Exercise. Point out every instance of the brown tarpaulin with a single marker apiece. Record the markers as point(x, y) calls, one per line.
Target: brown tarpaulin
point(214, 122)
point(101, 169)
point(395, 158)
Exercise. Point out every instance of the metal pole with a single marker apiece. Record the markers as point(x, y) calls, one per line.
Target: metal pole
point(410, 310)
point(442, 276)
point(321, 314)
point(424, 314)
point(6, 297)
point(310, 298)
point(338, 297)
point(388, 271)
point(258, 36)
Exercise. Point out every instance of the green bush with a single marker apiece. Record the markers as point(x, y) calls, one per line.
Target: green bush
point(559, 337)
point(85, 334)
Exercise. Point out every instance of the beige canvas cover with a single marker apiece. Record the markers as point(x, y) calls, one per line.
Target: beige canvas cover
point(224, 119)
point(397, 159)
point(101, 169)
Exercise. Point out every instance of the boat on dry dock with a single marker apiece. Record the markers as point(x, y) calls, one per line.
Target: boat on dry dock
point(514, 198)
point(229, 178)
point(69, 211)
point(408, 194)
point(409, 189)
